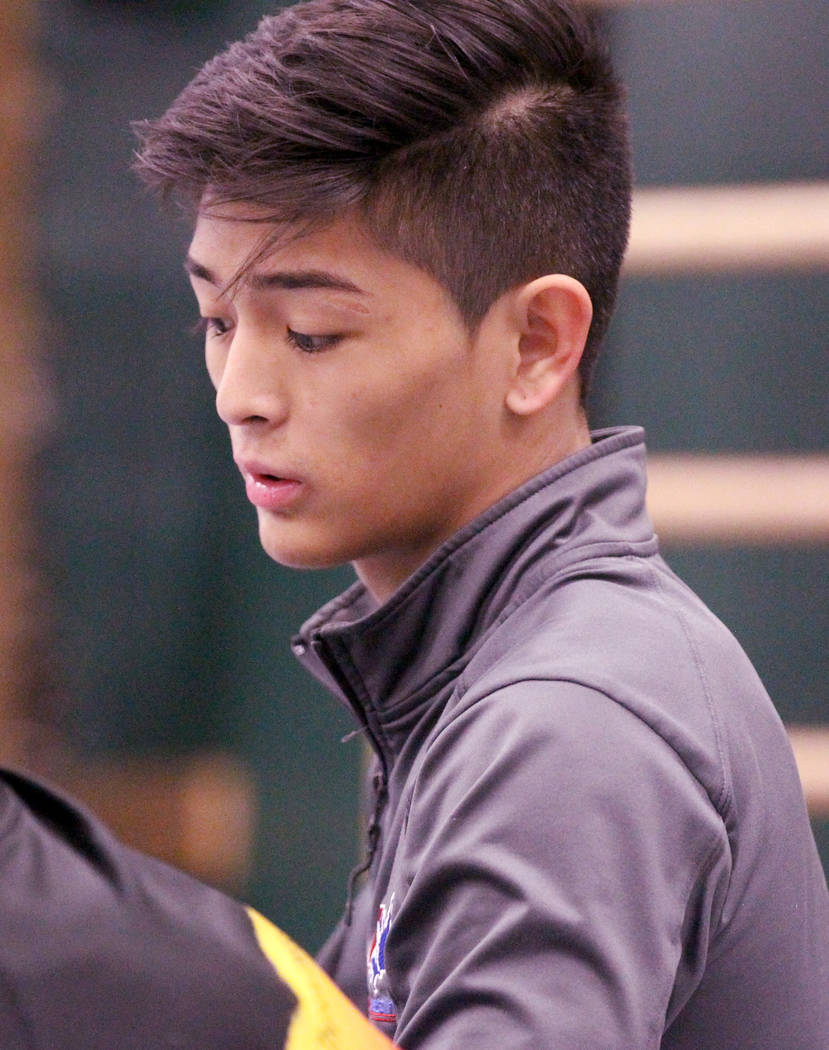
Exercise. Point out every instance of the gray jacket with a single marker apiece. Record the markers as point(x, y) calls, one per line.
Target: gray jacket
point(589, 833)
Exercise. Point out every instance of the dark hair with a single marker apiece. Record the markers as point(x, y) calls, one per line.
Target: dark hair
point(482, 140)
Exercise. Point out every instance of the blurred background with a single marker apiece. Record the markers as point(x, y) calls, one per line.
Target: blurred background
point(144, 657)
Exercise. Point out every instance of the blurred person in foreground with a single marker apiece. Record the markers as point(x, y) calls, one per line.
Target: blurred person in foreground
point(588, 830)
point(104, 948)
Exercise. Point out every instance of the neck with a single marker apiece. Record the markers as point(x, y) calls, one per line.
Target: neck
point(547, 438)
point(552, 441)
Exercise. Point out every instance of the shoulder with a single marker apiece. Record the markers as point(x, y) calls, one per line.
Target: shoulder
point(558, 761)
point(634, 637)
point(103, 946)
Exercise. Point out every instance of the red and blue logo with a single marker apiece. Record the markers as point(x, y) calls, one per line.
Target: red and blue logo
point(380, 1006)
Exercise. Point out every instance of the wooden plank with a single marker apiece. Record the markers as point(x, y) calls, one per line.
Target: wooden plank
point(21, 401)
point(197, 812)
point(740, 499)
point(719, 228)
point(811, 751)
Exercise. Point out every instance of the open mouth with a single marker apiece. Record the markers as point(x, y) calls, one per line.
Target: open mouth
point(270, 491)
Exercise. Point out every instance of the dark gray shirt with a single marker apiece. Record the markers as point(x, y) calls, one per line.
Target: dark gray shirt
point(103, 948)
point(592, 829)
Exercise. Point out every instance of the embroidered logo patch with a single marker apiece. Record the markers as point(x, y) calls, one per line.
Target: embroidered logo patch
point(380, 1005)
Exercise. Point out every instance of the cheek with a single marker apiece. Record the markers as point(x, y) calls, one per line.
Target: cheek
point(416, 385)
point(214, 359)
point(396, 419)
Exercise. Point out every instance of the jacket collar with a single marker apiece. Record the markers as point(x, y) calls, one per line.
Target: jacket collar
point(387, 662)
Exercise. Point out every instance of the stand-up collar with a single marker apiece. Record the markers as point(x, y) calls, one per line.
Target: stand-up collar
point(388, 662)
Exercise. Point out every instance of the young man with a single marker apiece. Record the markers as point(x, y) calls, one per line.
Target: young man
point(588, 828)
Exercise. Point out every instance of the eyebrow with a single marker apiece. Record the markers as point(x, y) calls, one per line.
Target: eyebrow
point(289, 280)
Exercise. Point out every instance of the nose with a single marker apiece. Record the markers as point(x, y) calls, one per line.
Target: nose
point(249, 386)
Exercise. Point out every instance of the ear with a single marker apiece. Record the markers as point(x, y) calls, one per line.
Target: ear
point(553, 314)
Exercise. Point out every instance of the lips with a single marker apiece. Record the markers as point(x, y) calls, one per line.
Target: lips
point(267, 490)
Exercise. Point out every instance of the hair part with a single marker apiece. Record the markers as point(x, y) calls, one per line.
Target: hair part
point(482, 140)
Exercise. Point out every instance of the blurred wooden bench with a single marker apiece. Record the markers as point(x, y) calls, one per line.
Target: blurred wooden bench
point(197, 812)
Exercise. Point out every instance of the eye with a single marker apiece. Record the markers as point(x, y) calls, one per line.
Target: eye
point(215, 326)
point(311, 344)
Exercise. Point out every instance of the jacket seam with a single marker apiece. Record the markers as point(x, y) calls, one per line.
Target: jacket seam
point(724, 795)
point(571, 680)
point(703, 858)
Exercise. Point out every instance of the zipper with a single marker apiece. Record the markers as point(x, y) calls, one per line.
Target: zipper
point(320, 648)
point(373, 831)
point(379, 781)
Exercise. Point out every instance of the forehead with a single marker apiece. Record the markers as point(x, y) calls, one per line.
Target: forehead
point(231, 250)
point(235, 238)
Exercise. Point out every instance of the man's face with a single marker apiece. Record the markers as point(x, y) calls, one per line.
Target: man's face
point(364, 417)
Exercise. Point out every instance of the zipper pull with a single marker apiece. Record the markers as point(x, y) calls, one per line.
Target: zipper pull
point(372, 842)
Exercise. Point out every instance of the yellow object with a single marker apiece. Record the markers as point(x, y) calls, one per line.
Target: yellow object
point(324, 1018)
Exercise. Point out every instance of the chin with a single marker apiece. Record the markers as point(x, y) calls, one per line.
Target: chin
point(298, 552)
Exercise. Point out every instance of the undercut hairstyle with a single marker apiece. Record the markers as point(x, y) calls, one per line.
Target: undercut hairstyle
point(484, 141)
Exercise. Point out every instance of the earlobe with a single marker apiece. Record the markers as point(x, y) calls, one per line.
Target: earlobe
point(553, 314)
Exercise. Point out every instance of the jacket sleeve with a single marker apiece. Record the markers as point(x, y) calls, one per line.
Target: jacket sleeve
point(564, 869)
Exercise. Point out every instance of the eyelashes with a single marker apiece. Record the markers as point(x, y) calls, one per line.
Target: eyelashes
point(311, 344)
point(210, 326)
point(302, 341)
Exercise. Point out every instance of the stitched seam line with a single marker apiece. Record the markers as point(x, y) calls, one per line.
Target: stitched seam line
point(724, 795)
